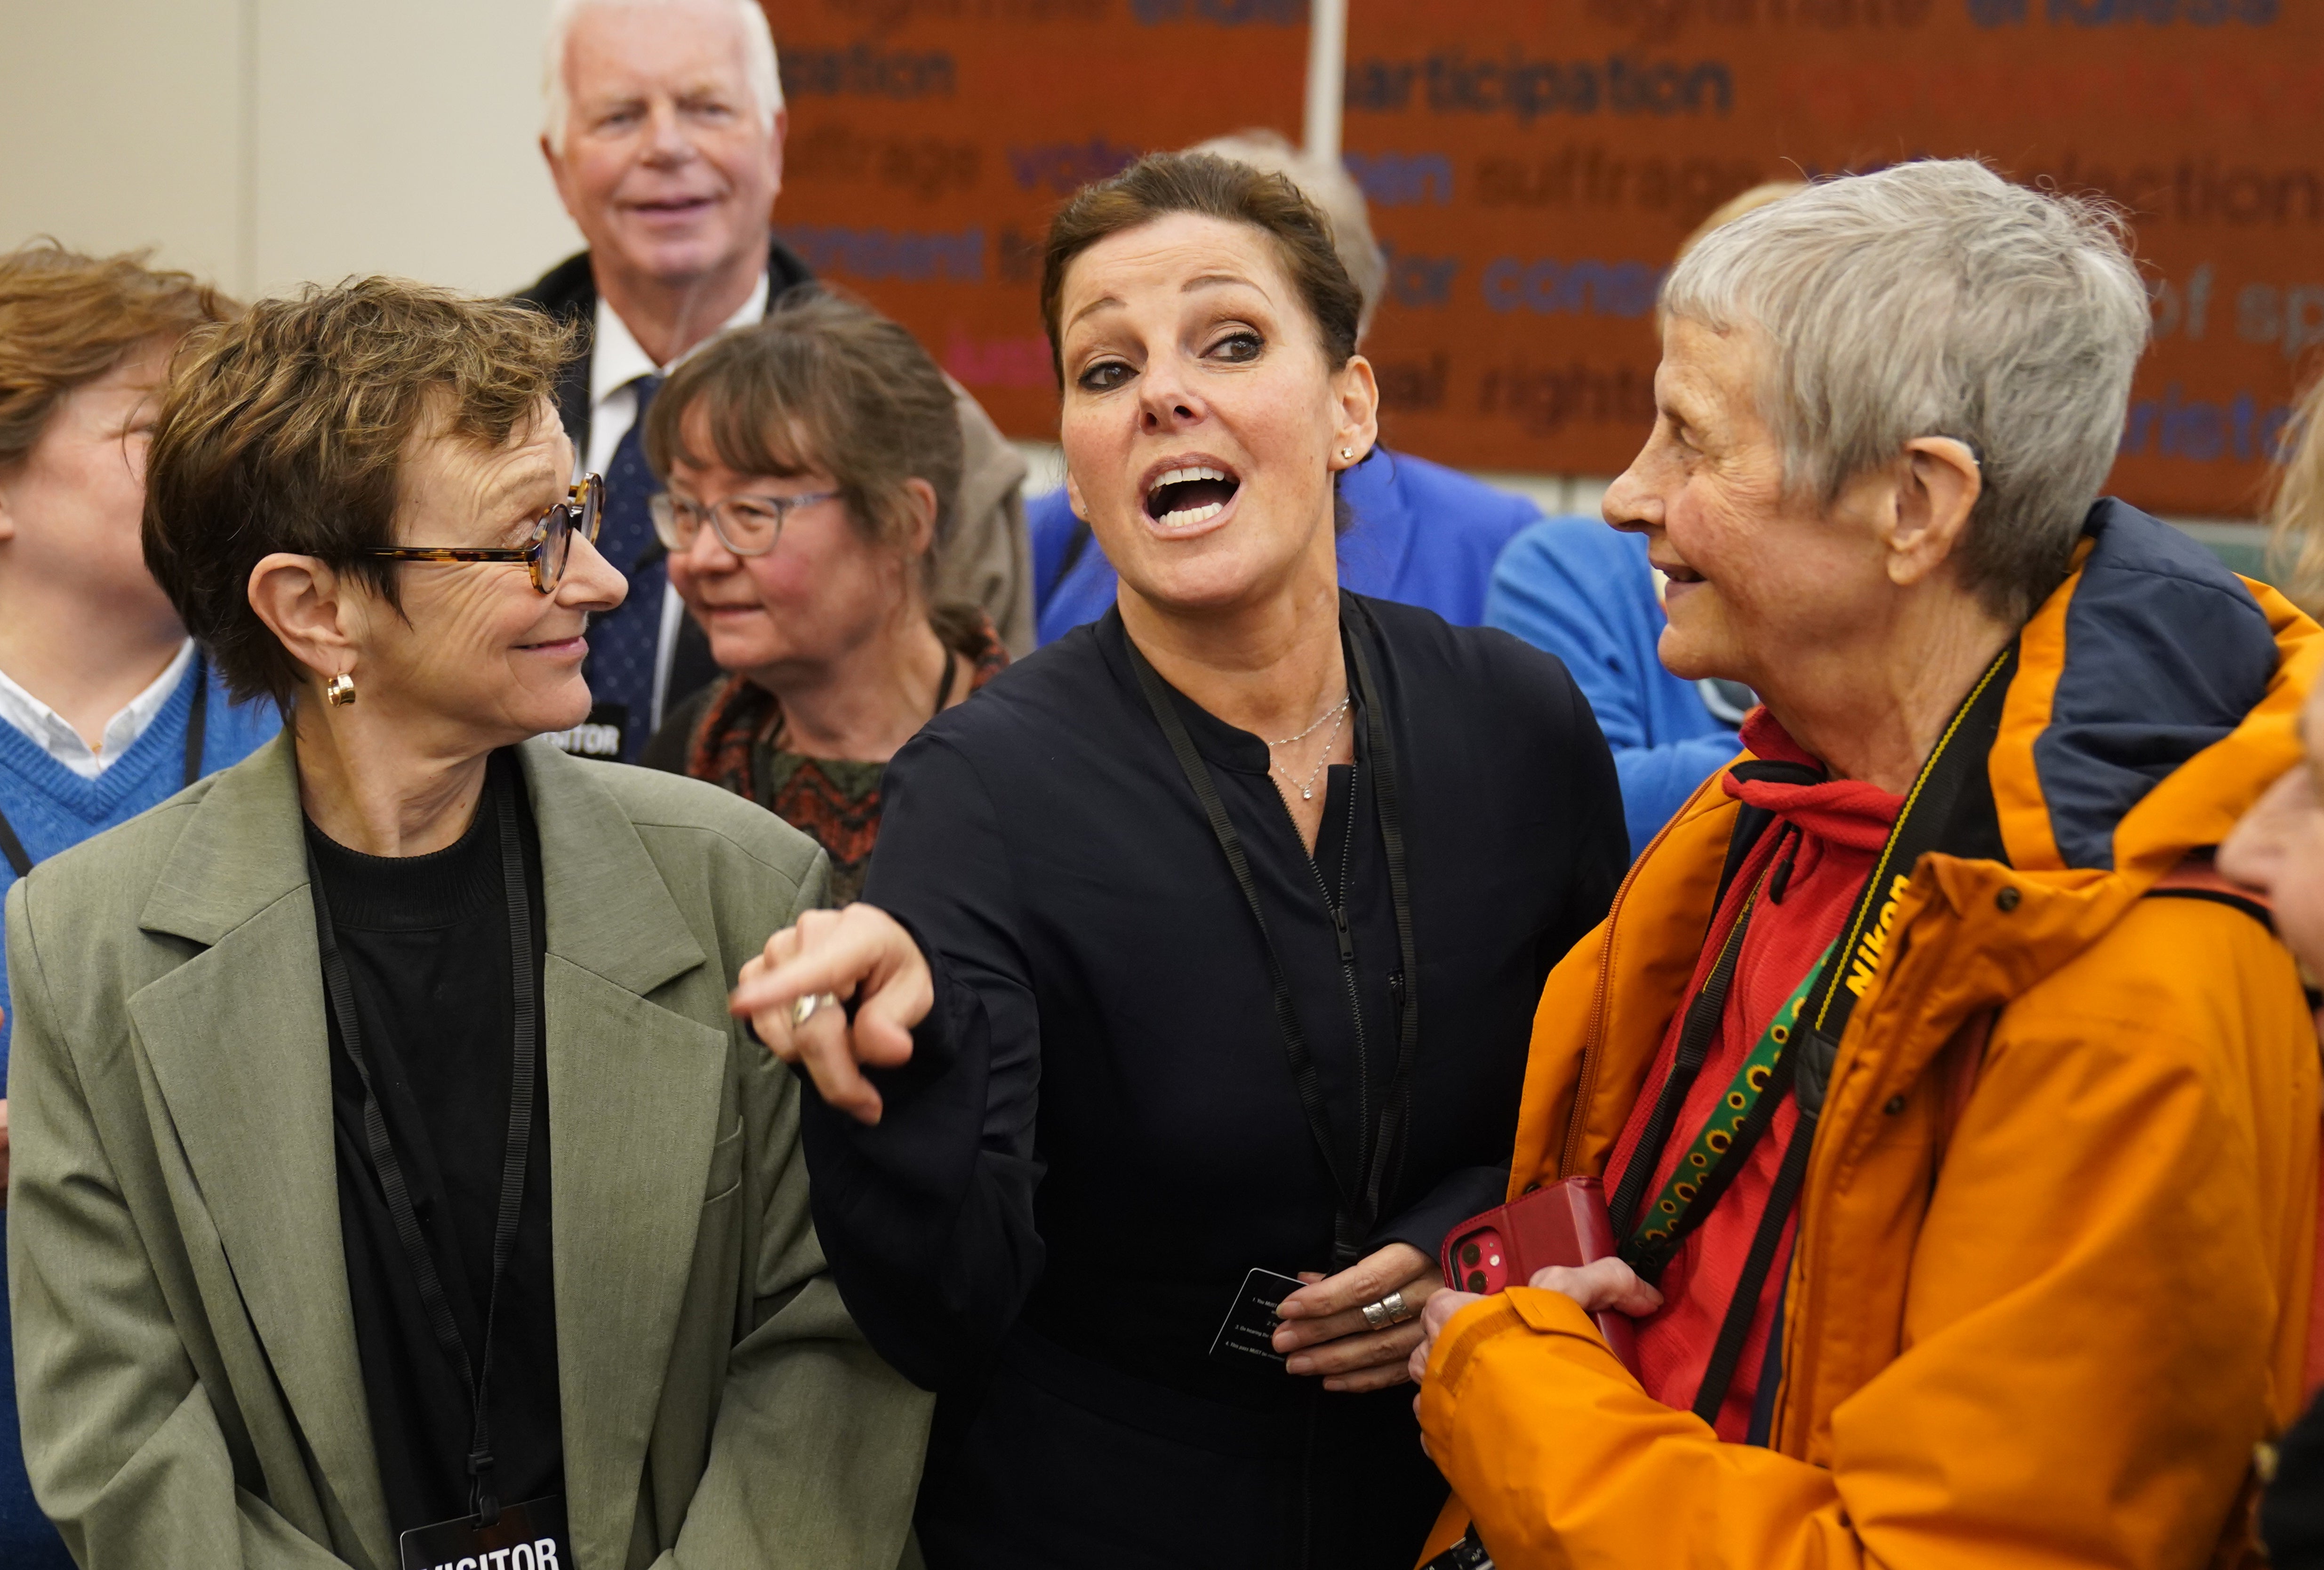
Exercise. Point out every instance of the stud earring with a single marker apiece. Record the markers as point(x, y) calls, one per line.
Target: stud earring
point(340, 690)
point(1347, 455)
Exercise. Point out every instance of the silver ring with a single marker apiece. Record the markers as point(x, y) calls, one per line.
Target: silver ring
point(1377, 1314)
point(1399, 1310)
point(803, 1009)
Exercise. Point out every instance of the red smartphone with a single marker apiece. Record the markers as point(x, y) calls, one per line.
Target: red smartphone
point(1559, 1224)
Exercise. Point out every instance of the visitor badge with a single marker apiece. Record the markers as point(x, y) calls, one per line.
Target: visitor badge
point(527, 1536)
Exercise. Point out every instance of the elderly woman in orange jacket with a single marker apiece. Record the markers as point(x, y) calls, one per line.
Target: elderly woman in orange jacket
point(1958, 1122)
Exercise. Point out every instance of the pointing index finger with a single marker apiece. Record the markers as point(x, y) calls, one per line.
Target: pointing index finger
point(834, 968)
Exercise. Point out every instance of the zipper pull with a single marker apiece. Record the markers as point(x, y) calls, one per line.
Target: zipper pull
point(1347, 941)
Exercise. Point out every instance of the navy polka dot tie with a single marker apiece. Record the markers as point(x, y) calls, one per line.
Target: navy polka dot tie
point(622, 644)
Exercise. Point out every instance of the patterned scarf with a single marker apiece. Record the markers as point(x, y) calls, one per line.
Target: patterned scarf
point(833, 802)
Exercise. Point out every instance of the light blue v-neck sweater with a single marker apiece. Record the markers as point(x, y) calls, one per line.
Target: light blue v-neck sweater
point(51, 809)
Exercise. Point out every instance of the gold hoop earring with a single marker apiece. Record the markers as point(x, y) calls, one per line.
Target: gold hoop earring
point(340, 690)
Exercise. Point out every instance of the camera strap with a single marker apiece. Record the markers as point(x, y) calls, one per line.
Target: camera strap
point(1948, 808)
point(339, 990)
point(20, 860)
point(1361, 1185)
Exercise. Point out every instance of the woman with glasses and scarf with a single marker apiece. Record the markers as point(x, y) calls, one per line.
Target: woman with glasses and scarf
point(811, 462)
point(390, 1182)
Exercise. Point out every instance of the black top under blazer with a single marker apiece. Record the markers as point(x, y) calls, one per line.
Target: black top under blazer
point(1100, 1133)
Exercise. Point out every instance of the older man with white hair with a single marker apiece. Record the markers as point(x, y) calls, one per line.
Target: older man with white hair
point(663, 128)
point(1960, 1120)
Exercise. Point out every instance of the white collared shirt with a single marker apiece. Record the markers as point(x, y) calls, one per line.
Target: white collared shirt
point(47, 731)
point(616, 363)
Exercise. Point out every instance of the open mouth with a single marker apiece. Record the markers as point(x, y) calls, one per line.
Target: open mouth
point(1678, 574)
point(1194, 494)
point(673, 207)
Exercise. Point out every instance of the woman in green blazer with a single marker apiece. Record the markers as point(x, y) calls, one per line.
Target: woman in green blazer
point(391, 1185)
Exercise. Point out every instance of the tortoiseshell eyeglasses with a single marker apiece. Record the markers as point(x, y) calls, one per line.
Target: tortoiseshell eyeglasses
point(545, 554)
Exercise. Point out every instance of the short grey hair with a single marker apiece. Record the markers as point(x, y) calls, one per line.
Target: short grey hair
point(759, 67)
point(1937, 298)
point(1326, 182)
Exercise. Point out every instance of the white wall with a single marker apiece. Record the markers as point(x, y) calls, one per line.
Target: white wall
point(85, 90)
point(265, 142)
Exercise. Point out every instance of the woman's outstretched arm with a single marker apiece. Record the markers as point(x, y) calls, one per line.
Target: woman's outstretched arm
point(919, 1116)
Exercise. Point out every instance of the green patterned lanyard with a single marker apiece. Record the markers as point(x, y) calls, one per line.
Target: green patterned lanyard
point(1727, 1119)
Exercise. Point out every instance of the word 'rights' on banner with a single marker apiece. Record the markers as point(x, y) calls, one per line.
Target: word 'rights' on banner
point(1532, 166)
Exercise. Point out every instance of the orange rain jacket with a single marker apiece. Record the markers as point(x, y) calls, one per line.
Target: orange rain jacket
point(2050, 1286)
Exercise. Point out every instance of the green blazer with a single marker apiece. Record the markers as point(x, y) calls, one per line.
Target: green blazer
point(184, 1351)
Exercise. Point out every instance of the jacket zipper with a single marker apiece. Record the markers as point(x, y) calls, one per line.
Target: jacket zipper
point(1307, 1485)
point(1340, 929)
point(1586, 1081)
point(1348, 973)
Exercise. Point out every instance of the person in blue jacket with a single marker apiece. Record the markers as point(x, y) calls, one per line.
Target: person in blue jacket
point(1586, 594)
point(1421, 533)
point(106, 707)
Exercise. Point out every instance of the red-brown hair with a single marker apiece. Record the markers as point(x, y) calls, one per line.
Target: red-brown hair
point(66, 319)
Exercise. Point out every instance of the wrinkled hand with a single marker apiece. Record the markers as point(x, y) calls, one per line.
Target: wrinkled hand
point(1598, 1285)
point(860, 953)
point(1323, 1324)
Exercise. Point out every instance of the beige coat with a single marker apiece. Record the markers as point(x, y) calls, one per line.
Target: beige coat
point(185, 1350)
point(986, 557)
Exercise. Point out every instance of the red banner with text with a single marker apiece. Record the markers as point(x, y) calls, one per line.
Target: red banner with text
point(931, 140)
point(1533, 164)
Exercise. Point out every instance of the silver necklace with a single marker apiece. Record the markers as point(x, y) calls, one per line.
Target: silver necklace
point(1338, 714)
point(1339, 708)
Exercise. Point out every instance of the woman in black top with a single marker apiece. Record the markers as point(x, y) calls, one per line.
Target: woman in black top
point(1086, 1107)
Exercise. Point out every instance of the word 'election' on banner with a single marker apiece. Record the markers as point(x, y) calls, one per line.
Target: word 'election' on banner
point(1532, 166)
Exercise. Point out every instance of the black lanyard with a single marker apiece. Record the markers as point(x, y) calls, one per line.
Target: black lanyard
point(1933, 819)
point(340, 989)
point(21, 862)
point(1359, 1201)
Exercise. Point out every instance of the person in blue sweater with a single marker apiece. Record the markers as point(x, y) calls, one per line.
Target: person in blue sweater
point(106, 707)
point(1586, 594)
point(1418, 532)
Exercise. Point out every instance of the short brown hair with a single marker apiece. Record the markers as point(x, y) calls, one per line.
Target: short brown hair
point(286, 430)
point(66, 319)
point(1210, 187)
point(822, 382)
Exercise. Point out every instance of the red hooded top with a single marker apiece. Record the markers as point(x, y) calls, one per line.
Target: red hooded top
point(1808, 868)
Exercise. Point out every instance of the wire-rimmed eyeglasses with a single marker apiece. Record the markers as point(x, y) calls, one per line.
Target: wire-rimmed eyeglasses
point(545, 554)
point(745, 525)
